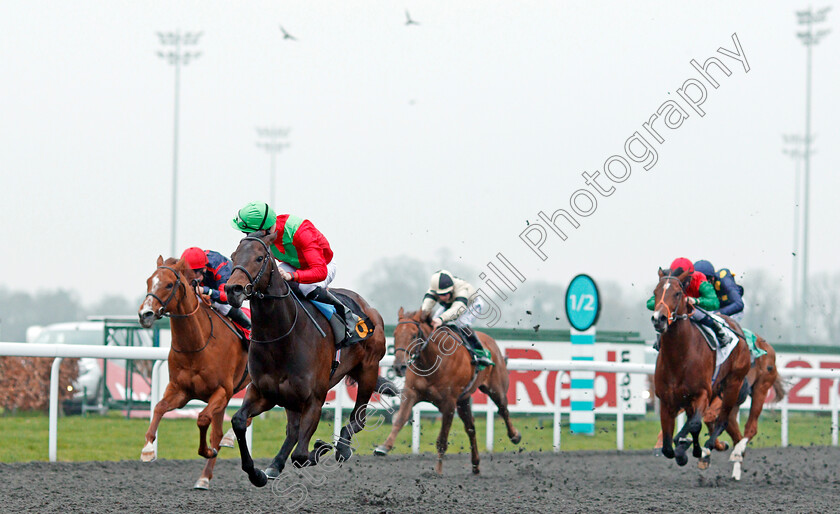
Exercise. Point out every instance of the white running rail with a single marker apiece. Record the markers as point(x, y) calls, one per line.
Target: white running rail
point(61, 351)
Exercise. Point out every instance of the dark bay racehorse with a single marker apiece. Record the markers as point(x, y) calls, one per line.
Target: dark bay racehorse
point(290, 361)
point(438, 371)
point(207, 360)
point(684, 370)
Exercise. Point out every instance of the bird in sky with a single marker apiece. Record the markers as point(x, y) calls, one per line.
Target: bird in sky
point(286, 35)
point(408, 20)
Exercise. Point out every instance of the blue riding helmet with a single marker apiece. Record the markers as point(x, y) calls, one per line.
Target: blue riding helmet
point(705, 267)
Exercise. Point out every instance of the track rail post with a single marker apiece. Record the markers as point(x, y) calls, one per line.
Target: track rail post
point(53, 435)
point(415, 430)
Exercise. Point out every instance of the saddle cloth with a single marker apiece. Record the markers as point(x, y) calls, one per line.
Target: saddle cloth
point(329, 311)
point(721, 354)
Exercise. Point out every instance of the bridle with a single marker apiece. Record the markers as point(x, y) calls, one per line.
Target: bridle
point(164, 304)
point(416, 350)
point(672, 316)
point(250, 288)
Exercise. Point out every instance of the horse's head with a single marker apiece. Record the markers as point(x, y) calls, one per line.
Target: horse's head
point(164, 289)
point(669, 297)
point(409, 338)
point(253, 267)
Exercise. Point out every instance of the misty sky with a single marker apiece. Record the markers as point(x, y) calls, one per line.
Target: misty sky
point(405, 139)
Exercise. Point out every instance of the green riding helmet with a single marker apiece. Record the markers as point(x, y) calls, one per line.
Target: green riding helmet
point(253, 217)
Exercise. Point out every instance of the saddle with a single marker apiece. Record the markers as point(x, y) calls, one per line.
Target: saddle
point(474, 349)
point(363, 328)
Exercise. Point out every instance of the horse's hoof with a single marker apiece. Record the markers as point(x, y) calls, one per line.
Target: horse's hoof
point(148, 453)
point(210, 453)
point(202, 484)
point(703, 463)
point(476, 471)
point(318, 451)
point(258, 478)
point(272, 473)
point(380, 451)
point(682, 460)
point(343, 452)
point(229, 440)
point(721, 446)
point(516, 437)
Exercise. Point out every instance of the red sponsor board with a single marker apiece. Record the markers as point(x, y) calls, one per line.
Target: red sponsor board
point(808, 393)
point(535, 391)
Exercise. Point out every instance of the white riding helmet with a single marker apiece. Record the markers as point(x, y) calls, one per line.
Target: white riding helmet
point(442, 282)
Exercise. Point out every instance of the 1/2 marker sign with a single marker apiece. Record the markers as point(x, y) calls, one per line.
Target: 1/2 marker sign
point(583, 302)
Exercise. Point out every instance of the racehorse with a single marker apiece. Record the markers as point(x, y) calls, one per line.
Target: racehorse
point(762, 376)
point(436, 371)
point(685, 372)
point(291, 359)
point(207, 361)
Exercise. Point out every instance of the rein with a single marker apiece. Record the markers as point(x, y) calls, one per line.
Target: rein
point(164, 304)
point(250, 289)
point(416, 351)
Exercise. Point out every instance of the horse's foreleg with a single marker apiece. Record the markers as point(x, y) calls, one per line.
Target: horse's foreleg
point(693, 426)
point(760, 390)
point(309, 419)
point(218, 419)
point(292, 430)
point(407, 402)
point(666, 423)
point(217, 401)
point(447, 413)
point(498, 394)
point(173, 398)
point(252, 405)
point(466, 415)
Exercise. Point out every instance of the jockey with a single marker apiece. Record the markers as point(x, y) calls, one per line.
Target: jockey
point(701, 294)
point(306, 259)
point(458, 306)
point(212, 270)
point(728, 292)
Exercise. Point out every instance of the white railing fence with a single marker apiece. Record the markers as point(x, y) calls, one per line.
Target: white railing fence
point(60, 351)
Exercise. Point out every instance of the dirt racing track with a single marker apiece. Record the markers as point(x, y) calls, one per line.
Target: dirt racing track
point(789, 480)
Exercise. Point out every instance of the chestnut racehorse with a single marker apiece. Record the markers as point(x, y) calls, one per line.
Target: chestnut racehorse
point(207, 360)
point(762, 376)
point(290, 360)
point(436, 370)
point(684, 372)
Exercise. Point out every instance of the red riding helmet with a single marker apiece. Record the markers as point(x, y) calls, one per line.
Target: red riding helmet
point(195, 257)
point(685, 264)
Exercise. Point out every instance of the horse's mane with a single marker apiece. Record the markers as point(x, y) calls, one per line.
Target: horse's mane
point(171, 261)
point(417, 316)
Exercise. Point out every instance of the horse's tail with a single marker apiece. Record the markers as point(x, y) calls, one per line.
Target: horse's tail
point(386, 387)
point(778, 389)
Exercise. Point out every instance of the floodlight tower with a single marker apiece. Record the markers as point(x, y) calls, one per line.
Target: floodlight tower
point(269, 140)
point(809, 38)
point(175, 55)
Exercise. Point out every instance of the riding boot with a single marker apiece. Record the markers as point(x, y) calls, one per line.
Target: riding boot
point(239, 317)
point(351, 321)
point(481, 355)
point(722, 336)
